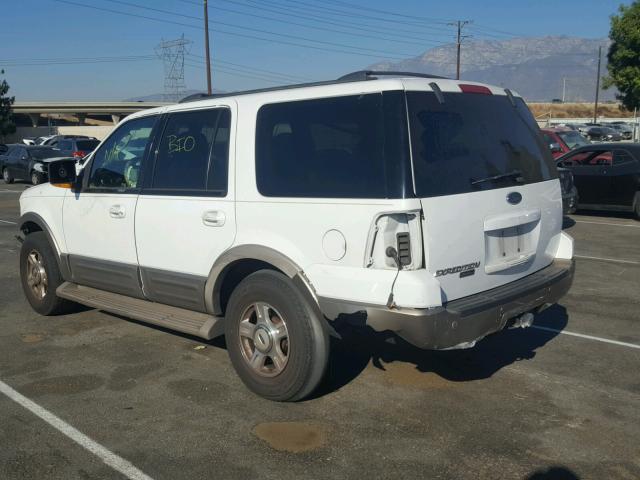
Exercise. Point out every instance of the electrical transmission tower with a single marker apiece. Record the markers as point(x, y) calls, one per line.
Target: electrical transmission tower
point(172, 53)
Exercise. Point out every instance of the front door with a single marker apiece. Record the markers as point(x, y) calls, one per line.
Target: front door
point(98, 221)
point(589, 168)
point(185, 216)
point(623, 179)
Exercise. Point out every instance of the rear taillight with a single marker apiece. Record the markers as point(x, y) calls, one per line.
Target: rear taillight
point(78, 154)
point(467, 88)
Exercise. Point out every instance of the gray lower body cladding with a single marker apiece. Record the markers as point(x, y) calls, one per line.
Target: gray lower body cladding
point(461, 322)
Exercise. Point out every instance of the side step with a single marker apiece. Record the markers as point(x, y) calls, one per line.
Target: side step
point(180, 319)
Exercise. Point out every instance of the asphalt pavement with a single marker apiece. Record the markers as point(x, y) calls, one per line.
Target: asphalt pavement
point(93, 395)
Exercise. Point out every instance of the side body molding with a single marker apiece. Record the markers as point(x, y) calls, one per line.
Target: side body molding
point(224, 263)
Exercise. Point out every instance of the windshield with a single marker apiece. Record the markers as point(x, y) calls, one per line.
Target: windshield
point(87, 145)
point(471, 137)
point(42, 153)
point(573, 139)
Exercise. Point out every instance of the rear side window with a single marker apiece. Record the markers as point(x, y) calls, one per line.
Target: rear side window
point(87, 145)
point(64, 145)
point(345, 147)
point(458, 145)
point(193, 152)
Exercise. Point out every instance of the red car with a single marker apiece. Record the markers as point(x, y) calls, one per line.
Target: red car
point(562, 140)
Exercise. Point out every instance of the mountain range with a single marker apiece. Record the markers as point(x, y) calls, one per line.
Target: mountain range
point(536, 68)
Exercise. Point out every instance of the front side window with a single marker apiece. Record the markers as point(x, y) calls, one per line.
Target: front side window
point(64, 145)
point(116, 165)
point(471, 142)
point(193, 152)
point(345, 147)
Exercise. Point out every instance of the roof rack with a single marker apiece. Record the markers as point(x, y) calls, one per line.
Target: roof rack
point(372, 74)
point(349, 77)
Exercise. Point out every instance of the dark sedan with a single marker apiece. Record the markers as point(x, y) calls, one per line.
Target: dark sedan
point(28, 162)
point(606, 175)
point(603, 134)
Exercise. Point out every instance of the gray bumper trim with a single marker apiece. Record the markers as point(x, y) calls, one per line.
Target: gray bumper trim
point(471, 318)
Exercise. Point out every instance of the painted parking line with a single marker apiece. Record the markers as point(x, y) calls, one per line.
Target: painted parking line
point(8, 222)
point(605, 259)
point(588, 337)
point(108, 457)
point(608, 223)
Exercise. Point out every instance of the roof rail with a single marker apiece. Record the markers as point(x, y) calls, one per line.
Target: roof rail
point(372, 74)
point(350, 77)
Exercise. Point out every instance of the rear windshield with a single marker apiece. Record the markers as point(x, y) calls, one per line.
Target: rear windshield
point(42, 153)
point(573, 139)
point(458, 145)
point(87, 145)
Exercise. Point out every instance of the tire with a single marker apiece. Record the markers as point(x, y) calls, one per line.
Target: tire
point(636, 205)
point(40, 276)
point(36, 178)
point(6, 176)
point(289, 363)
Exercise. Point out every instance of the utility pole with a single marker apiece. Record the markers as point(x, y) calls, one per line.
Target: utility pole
point(564, 88)
point(459, 24)
point(595, 107)
point(206, 46)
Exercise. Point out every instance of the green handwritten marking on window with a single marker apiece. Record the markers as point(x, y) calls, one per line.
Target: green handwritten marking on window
point(181, 144)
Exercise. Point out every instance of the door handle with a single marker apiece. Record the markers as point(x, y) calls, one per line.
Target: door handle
point(116, 211)
point(214, 218)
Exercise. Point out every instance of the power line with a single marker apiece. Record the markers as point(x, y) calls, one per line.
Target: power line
point(295, 37)
point(226, 32)
point(286, 11)
point(387, 12)
point(314, 27)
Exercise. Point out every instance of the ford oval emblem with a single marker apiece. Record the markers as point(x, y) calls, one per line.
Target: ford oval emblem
point(514, 198)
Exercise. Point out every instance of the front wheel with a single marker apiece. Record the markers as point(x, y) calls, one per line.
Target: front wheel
point(6, 176)
point(41, 276)
point(277, 344)
point(37, 178)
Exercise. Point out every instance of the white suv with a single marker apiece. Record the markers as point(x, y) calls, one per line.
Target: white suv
point(430, 206)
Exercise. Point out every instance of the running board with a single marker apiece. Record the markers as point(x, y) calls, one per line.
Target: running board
point(180, 319)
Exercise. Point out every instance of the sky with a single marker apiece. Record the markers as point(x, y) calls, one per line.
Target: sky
point(107, 49)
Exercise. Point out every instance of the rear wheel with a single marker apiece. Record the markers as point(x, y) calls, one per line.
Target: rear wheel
point(277, 344)
point(636, 203)
point(41, 276)
point(6, 176)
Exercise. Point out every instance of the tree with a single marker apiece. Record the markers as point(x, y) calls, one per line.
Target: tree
point(6, 122)
point(624, 55)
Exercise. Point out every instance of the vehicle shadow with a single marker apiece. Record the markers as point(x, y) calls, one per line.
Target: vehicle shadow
point(567, 222)
point(606, 214)
point(361, 345)
point(553, 473)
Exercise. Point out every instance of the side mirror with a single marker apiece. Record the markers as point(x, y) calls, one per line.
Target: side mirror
point(62, 173)
point(555, 148)
point(3, 148)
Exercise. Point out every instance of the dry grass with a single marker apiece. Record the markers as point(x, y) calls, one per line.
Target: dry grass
point(578, 110)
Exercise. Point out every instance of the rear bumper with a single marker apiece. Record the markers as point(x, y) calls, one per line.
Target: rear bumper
point(459, 323)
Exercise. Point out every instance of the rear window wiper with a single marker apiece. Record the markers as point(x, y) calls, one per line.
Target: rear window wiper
point(514, 173)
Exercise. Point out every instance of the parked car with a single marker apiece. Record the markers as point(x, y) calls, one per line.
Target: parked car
point(623, 129)
point(76, 147)
point(29, 140)
point(603, 134)
point(263, 216)
point(606, 175)
point(5, 150)
point(579, 127)
point(28, 162)
point(563, 140)
point(53, 140)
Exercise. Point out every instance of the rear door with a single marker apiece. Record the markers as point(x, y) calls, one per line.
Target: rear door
point(488, 186)
point(186, 215)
